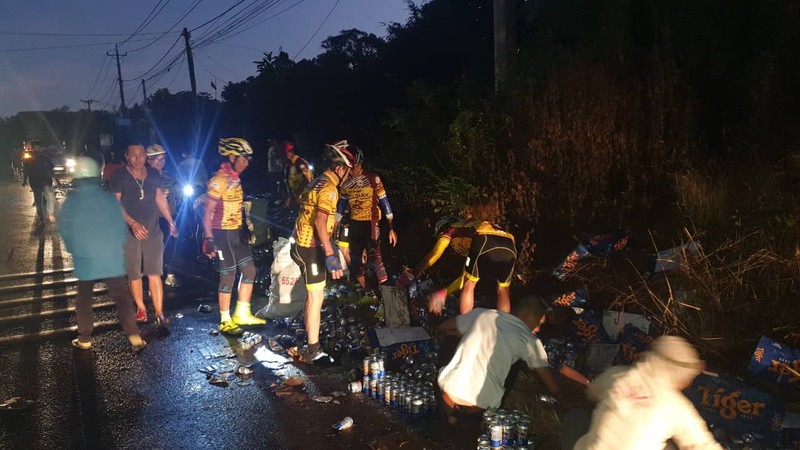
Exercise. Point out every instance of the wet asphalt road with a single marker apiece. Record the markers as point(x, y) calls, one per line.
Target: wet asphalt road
point(107, 397)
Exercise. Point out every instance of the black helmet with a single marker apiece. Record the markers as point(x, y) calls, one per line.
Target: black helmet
point(443, 223)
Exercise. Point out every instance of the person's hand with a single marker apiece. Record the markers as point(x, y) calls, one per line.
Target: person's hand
point(173, 230)
point(436, 301)
point(209, 249)
point(334, 266)
point(392, 238)
point(139, 231)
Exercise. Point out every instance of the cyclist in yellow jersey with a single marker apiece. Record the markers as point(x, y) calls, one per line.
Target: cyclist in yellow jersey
point(221, 222)
point(298, 174)
point(363, 193)
point(489, 252)
point(312, 248)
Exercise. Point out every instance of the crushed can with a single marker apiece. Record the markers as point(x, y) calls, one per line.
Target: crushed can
point(343, 424)
point(354, 387)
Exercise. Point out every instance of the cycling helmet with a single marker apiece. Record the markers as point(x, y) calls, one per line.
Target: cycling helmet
point(234, 146)
point(443, 223)
point(86, 167)
point(338, 154)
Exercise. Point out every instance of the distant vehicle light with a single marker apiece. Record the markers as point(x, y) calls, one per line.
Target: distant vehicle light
point(70, 162)
point(310, 168)
point(188, 190)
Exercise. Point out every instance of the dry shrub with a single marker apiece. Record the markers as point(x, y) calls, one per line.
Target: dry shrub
point(593, 142)
point(703, 199)
point(524, 397)
point(723, 298)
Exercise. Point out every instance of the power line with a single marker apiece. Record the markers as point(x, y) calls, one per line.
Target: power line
point(102, 65)
point(57, 47)
point(26, 33)
point(171, 27)
point(145, 22)
point(158, 62)
point(263, 21)
point(317, 30)
point(218, 16)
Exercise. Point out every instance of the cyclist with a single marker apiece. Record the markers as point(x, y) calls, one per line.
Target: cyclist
point(365, 196)
point(312, 248)
point(489, 251)
point(298, 174)
point(222, 221)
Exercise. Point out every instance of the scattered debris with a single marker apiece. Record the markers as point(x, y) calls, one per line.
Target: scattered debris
point(204, 309)
point(343, 424)
point(322, 398)
point(178, 316)
point(15, 404)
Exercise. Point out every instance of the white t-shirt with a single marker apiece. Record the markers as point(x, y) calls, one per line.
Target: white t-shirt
point(491, 342)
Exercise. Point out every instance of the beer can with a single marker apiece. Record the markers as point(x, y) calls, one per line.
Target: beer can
point(374, 369)
point(387, 393)
point(522, 434)
point(484, 443)
point(367, 360)
point(381, 368)
point(373, 387)
point(488, 417)
point(407, 401)
point(496, 436)
point(416, 406)
point(379, 386)
point(365, 384)
point(354, 387)
point(399, 397)
point(508, 432)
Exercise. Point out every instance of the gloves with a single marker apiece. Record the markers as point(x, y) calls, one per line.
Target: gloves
point(208, 246)
point(332, 263)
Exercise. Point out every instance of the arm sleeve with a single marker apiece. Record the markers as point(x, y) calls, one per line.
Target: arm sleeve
point(691, 430)
point(535, 355)
point(341, 206)
point(216, 187)
point(436, 253)
point(383, 200)
point(456, 285)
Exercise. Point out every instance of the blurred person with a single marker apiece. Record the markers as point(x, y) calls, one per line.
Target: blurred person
point(191, 170)
point(157, 159)
point(92, 227)
point(112, 164)
point(312, 248)
point(222, 239)
point(642, 407)
point(298, 174)
point(491, 341)
point(138, 188)
point(490, 252)
point(276, 164)
point(364, 195)
point(39, 175)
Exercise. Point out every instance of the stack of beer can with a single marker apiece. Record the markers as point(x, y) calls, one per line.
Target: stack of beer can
point(506, 430)
point(405, 394)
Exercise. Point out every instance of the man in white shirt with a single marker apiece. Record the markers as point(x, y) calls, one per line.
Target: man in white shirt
point(491, 342)
point(642, 407)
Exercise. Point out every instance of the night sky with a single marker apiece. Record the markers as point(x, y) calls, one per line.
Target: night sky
point(44, 79)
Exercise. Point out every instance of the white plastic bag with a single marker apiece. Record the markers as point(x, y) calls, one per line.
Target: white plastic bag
point(287, 292)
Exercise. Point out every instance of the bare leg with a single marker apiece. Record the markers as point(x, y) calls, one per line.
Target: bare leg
point(156, 293)
point(466, 300)
point(312, 314)
point(503, 299)
point(137, 291)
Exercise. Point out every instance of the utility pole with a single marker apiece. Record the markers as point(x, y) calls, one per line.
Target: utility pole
point(119, 77)
point(144, 92)
point(505, 24)
point(190, 60)
point(89, 103)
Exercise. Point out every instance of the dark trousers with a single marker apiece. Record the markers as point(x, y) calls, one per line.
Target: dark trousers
point(118, 290)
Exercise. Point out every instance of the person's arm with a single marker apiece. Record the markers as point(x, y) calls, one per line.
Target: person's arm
point(549, 381)
point(163, 206)
point(383, 201)
point(138, 230)
point(448, 328)
point(573, 375)
point(332, 262)
point(434, 255)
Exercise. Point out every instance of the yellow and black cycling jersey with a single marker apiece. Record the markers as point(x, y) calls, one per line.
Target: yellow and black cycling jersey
point(365, 196)
point(320, 195)
point(459, 237)
point(298, 174)
point(229, 195)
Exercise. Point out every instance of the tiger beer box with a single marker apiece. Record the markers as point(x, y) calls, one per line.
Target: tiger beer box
point(776, 363)
point(737, 407)
point(400, 343)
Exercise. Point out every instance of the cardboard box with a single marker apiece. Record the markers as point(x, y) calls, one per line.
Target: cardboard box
point(398, 343)
point(737, 407)
point(776, 363)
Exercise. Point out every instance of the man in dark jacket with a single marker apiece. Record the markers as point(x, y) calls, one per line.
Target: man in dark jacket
point(39, 174)
point(93, 230)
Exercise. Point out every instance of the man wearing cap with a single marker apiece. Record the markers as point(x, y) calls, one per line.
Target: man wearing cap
point(93, 230)
point(138, 188)
point(157, 159)
point(642, 407)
